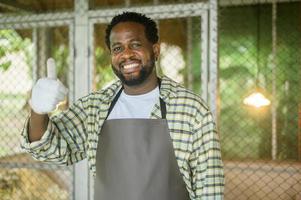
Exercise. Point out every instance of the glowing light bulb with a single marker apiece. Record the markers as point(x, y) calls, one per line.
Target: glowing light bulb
point(257, 100)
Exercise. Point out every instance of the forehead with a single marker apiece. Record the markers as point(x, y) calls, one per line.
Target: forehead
point(127, 30)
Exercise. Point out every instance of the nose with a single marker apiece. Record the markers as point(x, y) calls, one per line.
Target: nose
point(127, 53)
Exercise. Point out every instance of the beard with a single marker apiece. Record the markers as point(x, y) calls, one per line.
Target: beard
point(144, 73)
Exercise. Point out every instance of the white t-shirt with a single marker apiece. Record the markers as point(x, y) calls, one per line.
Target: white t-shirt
point(135, 106)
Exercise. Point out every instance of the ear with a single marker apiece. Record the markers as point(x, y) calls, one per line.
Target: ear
point(156, 49)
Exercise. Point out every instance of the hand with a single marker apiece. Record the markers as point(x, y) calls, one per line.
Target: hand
point(47, 92)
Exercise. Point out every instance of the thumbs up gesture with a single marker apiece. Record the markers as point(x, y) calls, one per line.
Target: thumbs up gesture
point(47, 92)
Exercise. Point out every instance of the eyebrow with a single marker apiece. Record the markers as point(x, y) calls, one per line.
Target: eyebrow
point(119, 43)
point(115, 44)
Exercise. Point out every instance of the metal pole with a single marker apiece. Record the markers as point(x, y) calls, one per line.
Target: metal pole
point(213, 56)
point(81, 88)
point(204, 55)
point(189, 54)
point(71, 96)
point(35, 55)
point(274, 91)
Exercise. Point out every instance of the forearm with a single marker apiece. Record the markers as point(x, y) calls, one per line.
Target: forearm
point(41, 140)
point(37, 126)
point(52, 139)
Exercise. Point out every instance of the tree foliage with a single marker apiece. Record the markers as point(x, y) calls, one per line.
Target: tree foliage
point(11, 42)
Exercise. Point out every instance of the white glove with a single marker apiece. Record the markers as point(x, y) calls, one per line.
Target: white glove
point(47, 92)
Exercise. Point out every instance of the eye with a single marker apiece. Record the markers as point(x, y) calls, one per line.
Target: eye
point(116, 49)
point(136, 45)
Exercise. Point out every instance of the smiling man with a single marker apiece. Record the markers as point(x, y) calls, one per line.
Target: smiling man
point(145, 137)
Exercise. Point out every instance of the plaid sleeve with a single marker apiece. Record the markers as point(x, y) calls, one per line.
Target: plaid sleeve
point(208, 174)
point(64, 140)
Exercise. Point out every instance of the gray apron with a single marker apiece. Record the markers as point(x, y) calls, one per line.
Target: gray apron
point(135, 160)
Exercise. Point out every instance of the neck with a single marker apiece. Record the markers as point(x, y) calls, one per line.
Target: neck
point(148, 85)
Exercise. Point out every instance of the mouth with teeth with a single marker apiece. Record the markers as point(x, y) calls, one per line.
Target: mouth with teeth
point(134, 72)
point(130, 68)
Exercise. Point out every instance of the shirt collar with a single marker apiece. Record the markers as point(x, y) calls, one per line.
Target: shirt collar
point(168, 89)
point(110, 91)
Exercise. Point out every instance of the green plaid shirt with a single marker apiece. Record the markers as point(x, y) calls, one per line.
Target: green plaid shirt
point(73, 135)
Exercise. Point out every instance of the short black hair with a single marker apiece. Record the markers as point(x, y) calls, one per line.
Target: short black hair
point(151, 31)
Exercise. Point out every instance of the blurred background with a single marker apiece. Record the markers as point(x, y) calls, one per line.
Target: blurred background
point(242, 56)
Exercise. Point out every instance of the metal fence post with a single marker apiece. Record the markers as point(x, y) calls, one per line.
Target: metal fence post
point(213, 58)
point(82, 87)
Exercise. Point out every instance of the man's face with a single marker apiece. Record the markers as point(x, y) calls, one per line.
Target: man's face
point(133, 56)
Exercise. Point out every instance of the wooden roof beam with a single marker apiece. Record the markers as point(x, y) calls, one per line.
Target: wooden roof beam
point(13, 5)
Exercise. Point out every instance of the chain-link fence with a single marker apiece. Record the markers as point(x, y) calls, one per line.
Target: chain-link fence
point(23, 54)
point(260, 146)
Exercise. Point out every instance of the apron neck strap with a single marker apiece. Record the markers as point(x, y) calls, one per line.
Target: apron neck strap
point(163, 108)
point(162, 103)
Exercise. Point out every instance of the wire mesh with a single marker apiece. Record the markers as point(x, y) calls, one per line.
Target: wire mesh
point(246, 65)
point(100, 4)
point(245, 132)
point(23, 54)
point(31, 6)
